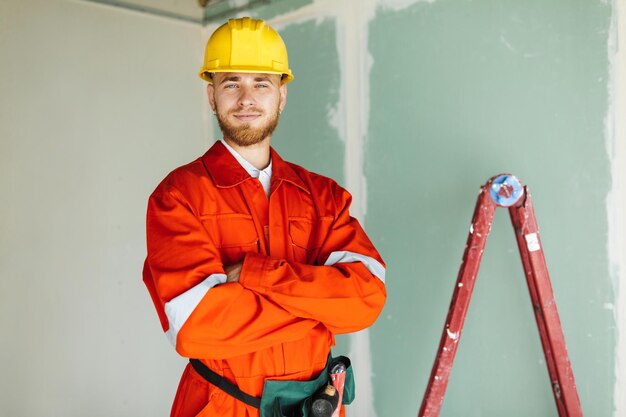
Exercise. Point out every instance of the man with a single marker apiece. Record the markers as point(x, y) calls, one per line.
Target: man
point(254, 263)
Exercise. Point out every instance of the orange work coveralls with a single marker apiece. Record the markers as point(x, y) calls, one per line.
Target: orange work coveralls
point(309, 272)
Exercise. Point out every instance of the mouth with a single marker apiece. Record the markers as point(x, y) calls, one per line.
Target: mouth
point(246, 117)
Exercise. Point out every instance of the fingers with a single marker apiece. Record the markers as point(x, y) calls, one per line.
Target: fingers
point(233, 271)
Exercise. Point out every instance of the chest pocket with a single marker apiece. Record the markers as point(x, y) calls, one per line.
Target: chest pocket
point(307, 236)
point(234, 235)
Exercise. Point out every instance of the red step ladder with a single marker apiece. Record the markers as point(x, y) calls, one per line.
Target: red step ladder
point(506, 191)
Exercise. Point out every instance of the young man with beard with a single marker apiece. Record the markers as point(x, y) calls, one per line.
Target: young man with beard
point(254, 263)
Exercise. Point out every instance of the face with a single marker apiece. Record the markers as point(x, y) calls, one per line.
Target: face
point(247, 105)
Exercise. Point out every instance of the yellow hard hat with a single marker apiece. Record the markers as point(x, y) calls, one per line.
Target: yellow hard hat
point(246, 45)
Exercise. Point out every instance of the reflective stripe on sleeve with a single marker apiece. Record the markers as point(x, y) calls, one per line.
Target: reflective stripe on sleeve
point(179, 308)
point(375, 267)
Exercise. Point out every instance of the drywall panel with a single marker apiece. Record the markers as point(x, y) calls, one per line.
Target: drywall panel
point(461, 91)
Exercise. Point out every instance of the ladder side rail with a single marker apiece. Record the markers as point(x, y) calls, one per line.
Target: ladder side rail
point(451, 334)
point(537, 310)
point(545, 309)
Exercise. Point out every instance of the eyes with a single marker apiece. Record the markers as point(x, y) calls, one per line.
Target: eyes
point(259, 85)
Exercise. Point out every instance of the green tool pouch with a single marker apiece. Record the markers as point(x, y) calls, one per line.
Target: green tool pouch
point(293, 398)
point(283, 398)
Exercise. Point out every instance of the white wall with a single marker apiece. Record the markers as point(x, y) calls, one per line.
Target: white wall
point(96, 104)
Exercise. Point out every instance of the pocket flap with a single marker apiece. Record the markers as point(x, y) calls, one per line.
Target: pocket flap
point(308, 233)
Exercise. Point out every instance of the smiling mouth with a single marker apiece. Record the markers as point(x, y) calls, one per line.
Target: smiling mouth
point(246, 117)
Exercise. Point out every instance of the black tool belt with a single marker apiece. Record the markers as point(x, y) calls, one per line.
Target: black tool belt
point(224, 384)
point(282, 397)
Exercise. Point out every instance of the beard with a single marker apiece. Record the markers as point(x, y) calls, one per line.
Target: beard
point(245, 135)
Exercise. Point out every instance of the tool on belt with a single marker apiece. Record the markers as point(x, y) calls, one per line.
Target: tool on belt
point(325, 402)
point(294, 398)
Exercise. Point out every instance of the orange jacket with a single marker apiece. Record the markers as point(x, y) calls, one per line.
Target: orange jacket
point(309, 272)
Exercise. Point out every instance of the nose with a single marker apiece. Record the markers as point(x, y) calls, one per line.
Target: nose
point(246, 98)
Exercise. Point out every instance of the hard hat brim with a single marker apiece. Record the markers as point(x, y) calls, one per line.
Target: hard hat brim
point(205, 74)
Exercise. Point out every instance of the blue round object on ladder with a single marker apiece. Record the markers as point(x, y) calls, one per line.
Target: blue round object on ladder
point(506, 190)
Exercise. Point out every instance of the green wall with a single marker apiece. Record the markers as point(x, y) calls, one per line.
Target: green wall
point(460, 91)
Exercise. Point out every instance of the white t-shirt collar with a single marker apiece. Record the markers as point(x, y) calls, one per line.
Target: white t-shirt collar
point(264, 175)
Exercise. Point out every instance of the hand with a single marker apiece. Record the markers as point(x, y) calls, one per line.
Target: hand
point(233, 271)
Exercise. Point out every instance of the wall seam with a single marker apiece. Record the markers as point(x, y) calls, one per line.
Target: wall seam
point(355, 64)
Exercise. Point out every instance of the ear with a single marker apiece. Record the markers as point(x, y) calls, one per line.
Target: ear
point(210, 91)
point(283, 97)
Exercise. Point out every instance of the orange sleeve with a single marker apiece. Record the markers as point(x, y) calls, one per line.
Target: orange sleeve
point(203, 319)
point(345, 290)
